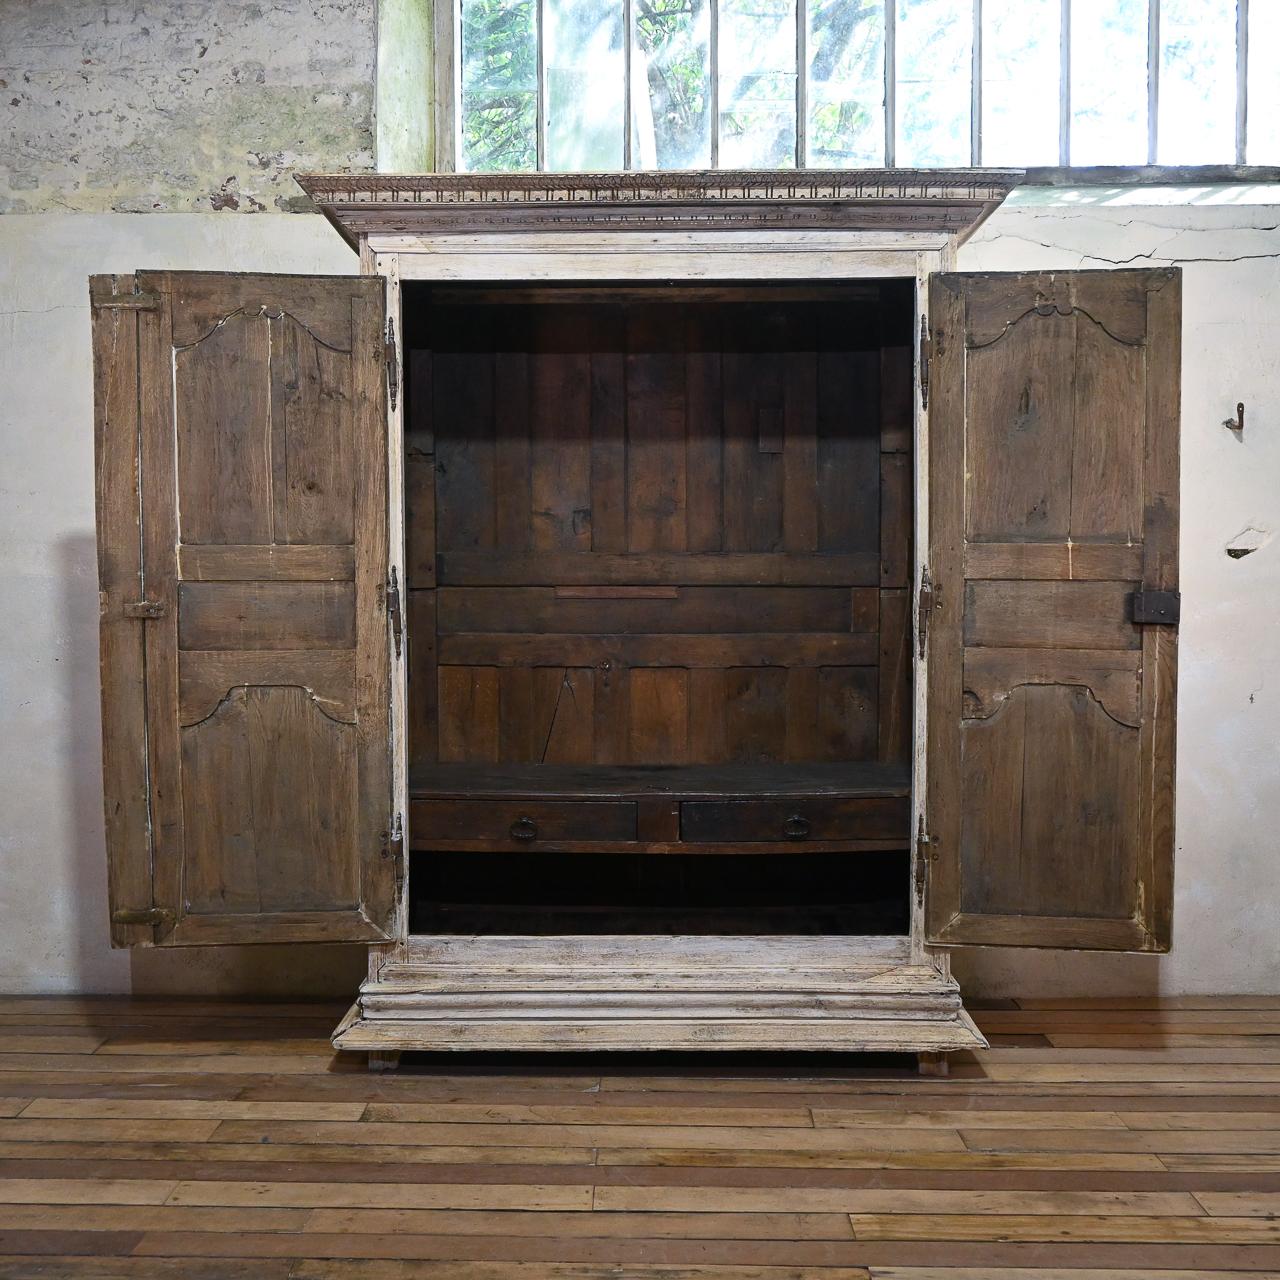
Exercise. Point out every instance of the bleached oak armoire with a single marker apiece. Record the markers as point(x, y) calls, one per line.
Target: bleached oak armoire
point(648, 610)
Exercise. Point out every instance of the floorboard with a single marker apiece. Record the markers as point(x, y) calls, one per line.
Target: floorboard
point(1116, 1139)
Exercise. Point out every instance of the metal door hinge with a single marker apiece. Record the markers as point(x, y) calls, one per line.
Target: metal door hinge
point(926, 354)
point(393, 363)
point(925, 605)
point(145, 609)
point(153, 916)
point(925, 853)
point(394, 613)
point(393, 848)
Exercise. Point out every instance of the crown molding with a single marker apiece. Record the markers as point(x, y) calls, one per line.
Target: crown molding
point(950, 201)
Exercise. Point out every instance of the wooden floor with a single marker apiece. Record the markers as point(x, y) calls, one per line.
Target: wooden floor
point(1129, 1138)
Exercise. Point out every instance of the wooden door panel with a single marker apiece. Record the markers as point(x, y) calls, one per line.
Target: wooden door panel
point(260, 446)
point(1053, 498)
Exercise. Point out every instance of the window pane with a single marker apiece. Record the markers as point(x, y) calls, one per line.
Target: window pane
point(757, 84)
point(1262, 145)
point(1021, 76)
point(584, 67)
point(1197, 82)
point(846, 84)
point(1109, 81)
point(499, 85)
point(935, 51)
point(671, 114)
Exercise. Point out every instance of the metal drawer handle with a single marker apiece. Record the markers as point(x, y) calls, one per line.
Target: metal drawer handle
point(524, 829)
point(796, 827)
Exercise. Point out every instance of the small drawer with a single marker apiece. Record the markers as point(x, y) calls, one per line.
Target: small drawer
point(795, 821)
point(521, 823)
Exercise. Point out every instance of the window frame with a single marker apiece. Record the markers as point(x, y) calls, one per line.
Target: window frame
point(447, 63)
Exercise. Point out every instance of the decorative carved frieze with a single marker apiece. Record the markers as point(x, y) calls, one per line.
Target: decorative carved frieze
point(947, 200)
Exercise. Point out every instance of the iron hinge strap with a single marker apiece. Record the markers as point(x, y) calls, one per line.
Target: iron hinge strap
point(153, 916)
point(925, 853)
point(145, 609)
point(394, 612)
point(393, 363)
point(925, 605)
point(393, 848)
point(926, 354)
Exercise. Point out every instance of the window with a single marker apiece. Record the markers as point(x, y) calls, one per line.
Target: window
point(564, 85)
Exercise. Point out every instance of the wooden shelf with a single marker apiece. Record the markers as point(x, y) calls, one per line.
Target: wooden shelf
point(677, 782)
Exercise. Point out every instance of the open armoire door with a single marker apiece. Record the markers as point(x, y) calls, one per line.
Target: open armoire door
point(1052, 608)
point(242, 533)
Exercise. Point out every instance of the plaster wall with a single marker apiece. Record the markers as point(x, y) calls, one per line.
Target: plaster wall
point(53, 935)
point(1226, 920)
point(163, 105)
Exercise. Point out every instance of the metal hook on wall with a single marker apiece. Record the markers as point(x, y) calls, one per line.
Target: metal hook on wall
point(1236, 424)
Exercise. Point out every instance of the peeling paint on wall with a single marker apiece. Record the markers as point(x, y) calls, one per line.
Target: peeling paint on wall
point(188, 105)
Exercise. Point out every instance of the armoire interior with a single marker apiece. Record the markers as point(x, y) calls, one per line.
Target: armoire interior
point(657, 607)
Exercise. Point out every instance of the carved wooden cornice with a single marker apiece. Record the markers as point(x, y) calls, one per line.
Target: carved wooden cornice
point(951, 201)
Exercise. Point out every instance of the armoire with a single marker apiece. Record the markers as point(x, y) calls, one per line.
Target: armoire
point(648, 610)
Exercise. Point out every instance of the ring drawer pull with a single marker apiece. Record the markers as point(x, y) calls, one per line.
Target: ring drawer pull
point(796, 827)
point(524, 829)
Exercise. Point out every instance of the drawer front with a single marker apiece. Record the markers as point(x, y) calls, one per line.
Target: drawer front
point(795, 821)
point(520, 823)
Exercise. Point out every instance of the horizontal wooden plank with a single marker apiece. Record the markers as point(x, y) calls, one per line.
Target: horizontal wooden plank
point(695, 610)
point(1090, 1228)
point(385, 1195)
point(1054, 561)
point(273, 563)
point(745, 649)
point(590, 568)
point(1049, 615)
point(552, 781)
point(604, 1134)
point(283, 615)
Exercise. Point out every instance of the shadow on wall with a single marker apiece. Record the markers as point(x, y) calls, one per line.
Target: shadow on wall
point(95, 967)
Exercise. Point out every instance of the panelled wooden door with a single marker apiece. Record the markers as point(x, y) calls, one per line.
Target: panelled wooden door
point(242, 528)
point(1053, 498)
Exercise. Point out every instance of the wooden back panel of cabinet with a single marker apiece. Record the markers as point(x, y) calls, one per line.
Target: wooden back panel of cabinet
point(660, 532)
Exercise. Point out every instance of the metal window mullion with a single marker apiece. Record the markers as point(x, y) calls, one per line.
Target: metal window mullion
point(1242, 81)
point(890, 83)
point(802, 83)
point(713, 60)
point(628, 44)
point(1064, 85)
point(975, 88)
point(540, 34)
point(1153, 79)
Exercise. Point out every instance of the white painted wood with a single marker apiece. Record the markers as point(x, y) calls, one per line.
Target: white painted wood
point(843, 994)
point(635, 256)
